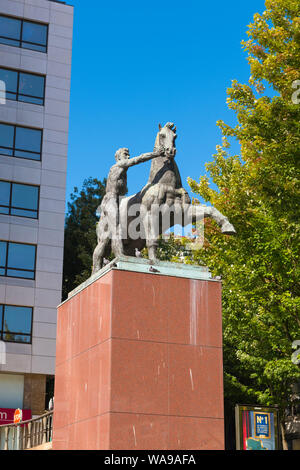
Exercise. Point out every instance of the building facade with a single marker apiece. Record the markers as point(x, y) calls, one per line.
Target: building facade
point(35, 73)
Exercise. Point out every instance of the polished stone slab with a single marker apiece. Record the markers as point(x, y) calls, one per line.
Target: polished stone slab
point(139, 361)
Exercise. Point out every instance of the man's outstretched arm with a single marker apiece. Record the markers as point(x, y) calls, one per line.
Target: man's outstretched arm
point(144, 157)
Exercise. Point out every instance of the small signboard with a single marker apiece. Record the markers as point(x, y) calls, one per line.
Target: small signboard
point(17, 416)
point(262, 427)
point(256, 428)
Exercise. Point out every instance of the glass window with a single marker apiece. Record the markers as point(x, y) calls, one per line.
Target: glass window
point(3, 253)
point(16, 323)
point(23, 86)
point(10, 78)
point(28, 143)
point(10, 31)
point(23, 33)
point(19, 260)
point(21, 142)
point(6, 139)
point(31, 88)
point(4, 197)
point(24, 200)
point(19, 199)
point(34, 36)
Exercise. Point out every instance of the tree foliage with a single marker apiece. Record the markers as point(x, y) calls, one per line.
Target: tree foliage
point(259, 192)
point(80, 233)
point(171, 247)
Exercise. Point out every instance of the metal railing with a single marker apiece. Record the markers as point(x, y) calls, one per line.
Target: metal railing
point(27, 434)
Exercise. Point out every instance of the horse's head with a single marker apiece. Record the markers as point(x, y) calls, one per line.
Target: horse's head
point(166, 138)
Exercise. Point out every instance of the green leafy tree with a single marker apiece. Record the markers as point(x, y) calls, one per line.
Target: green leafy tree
point(80, 233)
point(173, 248)
point(259, 191)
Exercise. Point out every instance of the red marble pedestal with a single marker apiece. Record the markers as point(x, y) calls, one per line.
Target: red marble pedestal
point(139, 365)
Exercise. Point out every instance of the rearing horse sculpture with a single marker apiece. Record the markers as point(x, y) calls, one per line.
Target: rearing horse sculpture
point(161, 204)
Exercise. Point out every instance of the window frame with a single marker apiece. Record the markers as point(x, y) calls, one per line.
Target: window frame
point(10, 207)
point(2, 332)
point(18, 94)
point(21, 40)
point(14, 149)
point(5, 267)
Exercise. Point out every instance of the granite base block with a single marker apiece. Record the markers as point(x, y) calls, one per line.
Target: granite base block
point(139, 362)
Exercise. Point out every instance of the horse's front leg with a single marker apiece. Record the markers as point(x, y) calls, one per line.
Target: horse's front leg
point(222, 221)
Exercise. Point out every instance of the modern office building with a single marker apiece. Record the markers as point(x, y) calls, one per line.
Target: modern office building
point(35, 72)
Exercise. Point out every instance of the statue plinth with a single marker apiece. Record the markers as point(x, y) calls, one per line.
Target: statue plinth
point(139, 360)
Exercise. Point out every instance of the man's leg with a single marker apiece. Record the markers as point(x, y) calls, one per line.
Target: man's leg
point(112, 212)
point(103, 236)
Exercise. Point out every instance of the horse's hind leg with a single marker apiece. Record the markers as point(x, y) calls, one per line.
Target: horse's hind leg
point(151, 238)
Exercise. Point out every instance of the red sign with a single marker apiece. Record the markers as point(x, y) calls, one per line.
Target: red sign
point(7, 415)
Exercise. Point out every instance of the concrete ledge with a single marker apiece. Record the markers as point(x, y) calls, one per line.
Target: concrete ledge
point(46, 446)
point(143, 265)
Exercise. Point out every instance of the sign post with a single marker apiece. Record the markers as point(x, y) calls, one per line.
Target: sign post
point(17, 419)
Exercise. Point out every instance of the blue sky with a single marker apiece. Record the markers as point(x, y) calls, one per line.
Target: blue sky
point(136, 64)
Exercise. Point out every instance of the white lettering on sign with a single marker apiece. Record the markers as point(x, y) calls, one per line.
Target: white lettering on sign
point(3, 415)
